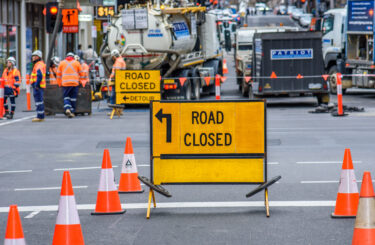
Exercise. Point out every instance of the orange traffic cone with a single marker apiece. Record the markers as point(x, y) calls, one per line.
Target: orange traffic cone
point(273, 75)
point(129, 182)
point(364, 228)
point(347, 196)
point(225, 67)
point(68, 228)
point(108, 200)
point(14, 232)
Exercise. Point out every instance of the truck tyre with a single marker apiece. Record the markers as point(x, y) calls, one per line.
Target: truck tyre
point(196, 84)
point(252, 96)
point(322, 98)
point(245, 88)
point(187, 90)
point(332, 80)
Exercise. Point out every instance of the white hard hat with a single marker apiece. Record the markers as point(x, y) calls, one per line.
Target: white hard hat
point(115, 52)
point(76, 57)
point(55, 60)
point(12, 60)
point(37, 53)
point(70, 54)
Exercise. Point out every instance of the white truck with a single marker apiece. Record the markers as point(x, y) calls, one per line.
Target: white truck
point(178, 41)
point(244, 52)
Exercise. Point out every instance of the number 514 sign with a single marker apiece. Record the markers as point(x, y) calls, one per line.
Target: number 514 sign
point(103, 12)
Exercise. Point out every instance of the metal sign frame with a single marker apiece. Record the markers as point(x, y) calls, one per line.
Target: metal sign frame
point(209, 156)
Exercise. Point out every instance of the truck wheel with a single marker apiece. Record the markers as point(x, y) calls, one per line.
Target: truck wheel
point(332, 80)
point(245, 88)
point(196, 85)
point(252, 96)
point(323, 98)
point(187, 90)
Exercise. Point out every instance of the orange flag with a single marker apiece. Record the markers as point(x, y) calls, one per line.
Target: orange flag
point(182, 80)
point(207, 79)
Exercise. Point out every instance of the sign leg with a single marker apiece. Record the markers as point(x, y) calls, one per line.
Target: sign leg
point(266, 203)
point(112, 113)
point(153, 197)
point(150, 195)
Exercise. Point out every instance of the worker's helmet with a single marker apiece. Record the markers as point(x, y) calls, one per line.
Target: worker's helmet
point(37, 53)
point(71, 54)
point(115, 53)
point(76, 57)
point(12, 60)
point(55, 60)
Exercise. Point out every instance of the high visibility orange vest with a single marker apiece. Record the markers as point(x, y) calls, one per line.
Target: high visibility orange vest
point(118, 65)
point(69, 73)
point(52, 77)
point(10, 77)
point(85, 74)
point(42, 67)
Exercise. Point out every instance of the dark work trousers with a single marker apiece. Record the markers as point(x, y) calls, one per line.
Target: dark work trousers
point(70, 98)
point(9, 93)
point(112, 98)
point(39, 103)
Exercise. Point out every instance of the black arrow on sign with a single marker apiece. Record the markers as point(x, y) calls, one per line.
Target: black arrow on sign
point(160, 117)
point(125, 98)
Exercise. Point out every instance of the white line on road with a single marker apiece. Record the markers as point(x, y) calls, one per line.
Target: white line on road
point(143, 165)
point(186, 205)
point(326, 162)
point(15, 171)
point(325, 181)
point(273, 163)
point(32, 214)
point(48, 188)
point(83, 168)
point(16, 120)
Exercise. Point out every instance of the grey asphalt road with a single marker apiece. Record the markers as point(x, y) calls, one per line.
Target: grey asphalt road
point(305, 149)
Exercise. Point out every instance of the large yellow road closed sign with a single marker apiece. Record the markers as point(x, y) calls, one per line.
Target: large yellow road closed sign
point(137, 86)
point(208, 142)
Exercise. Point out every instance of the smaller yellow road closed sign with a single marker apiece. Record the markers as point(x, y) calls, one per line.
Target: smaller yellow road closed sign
point(137, 86)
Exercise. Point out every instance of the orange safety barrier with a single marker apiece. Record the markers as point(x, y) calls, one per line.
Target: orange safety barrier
point(364, 227)
point(14, 232)
point(68, 227)
point(347, 196)
point(217, 87)
point(129, 182)
point(1, 98)
point(225, 67)
point(339, 95)
point(28, 99)
point(108, 200)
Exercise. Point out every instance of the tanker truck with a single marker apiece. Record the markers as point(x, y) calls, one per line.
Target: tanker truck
point(180, 42)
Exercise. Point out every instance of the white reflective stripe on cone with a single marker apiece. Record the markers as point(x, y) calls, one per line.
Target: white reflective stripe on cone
point(68, 214)
point(128, 164)
point(19, 241)
point(348, 183)
point(107, 180)
point(28, 88)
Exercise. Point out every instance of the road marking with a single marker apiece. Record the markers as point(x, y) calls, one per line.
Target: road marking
point(186, 205)
point(32, 214)
point(15, 171)
point(273, 163)
point(16, 120)
point(83, 168)
point(48, 188)
point(143, 165)
point(325, 181)
point(326, 162)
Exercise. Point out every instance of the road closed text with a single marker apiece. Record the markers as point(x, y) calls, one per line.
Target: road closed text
point(137, 81)
point(210, 119)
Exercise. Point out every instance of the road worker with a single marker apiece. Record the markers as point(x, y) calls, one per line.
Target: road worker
point(85, 71)
point(38, 82)
point(119, 64)
point(68, 76)
point(55, 61)
point(12, 80)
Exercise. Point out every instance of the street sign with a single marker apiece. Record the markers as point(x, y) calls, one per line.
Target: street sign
point(137, 87)
point(85, 17)
point(103, 12)
point(70, 20)
point(208, 142)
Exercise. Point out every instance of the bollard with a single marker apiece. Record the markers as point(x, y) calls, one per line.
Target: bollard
point(339, 94)
point(217, 87)
point(1, 98)
point(28, 101)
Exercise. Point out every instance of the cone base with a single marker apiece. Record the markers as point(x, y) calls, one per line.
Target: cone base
point(336, 114)
point(363, 236)
point(129, 182)
point(124, 192)
point(346, 204)
point(335, 216)
point(108, 213)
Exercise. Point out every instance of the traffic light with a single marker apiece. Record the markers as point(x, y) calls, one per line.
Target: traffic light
point(52, 10)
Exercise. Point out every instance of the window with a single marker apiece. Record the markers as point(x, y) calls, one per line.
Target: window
point(245, 47)
point(328, 21)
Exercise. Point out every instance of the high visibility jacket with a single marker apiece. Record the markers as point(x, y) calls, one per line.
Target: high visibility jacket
point(69, 73)
point(12, 78)
point(52, 75)
point(118, 65)
point(85, 74)
point(39, 66)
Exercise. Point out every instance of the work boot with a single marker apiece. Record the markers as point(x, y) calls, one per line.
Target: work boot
point(69, 113)
point(6, 114)
point(10, 115)
point(36, 119)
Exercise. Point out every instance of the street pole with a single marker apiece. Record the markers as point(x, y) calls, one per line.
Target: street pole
point(53, 38)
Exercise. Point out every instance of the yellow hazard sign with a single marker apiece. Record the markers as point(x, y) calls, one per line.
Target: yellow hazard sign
point(137, 86)
point(208, 142)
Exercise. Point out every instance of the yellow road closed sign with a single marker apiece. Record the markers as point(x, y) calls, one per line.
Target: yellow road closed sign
point(208, 141)
point(137, 86)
